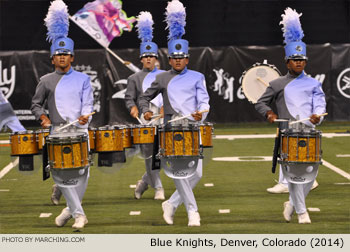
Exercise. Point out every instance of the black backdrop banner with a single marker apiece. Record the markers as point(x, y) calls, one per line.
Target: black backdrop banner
point(20, 72)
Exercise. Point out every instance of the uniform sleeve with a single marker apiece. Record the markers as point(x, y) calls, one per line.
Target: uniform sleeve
point(130, 94)
point(15, 125)
point(148, 95)
point(202, 97)
point(87, 98)
point(38, 100)
point(264, 102)
point(318, 101)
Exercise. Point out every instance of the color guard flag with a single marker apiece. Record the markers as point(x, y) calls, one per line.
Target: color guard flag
point(103, 20)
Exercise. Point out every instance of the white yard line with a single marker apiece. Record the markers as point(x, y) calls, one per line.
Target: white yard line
point(233, 137)
point(336, 169)
point(342, 155)
point(244, 159)
point(8, 168)
point(4, 141)
point(4, 190)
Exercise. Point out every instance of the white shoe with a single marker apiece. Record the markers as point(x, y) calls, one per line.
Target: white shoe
point(304, 218)
point(141, 187)
point(56, 195)
point(168, 212)
point(278, 188)
point(194, 220)
point(80, 221)
point(314, 185)
point(159, 194)
point(288, 210)
point(63, 218)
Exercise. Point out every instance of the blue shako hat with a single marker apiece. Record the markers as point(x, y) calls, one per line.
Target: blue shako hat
point(145, 33)
point(295, 48)
point(176, 22)
point(57, 23)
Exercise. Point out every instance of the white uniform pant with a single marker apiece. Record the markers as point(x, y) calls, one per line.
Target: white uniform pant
point(151, 177)
point(184, 193)
point(282, 179)
point(297, 195)
point(74, 194)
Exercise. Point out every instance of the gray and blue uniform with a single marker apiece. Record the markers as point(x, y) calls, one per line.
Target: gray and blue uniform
point(295, 96)
point(68, 96)
point(7, 115)
point(183, 93)
point(138, 83)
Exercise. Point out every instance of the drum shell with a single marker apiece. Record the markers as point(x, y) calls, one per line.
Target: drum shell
point(127, 137)
point(23, 143)
point(68, 152)
point(92, 139)
point(300, 147)
point(109, 140)
point(41, 135)
point(206, 135)
point(175, 142)
point(143, 135)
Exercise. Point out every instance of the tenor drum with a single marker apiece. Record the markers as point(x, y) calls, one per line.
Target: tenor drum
point(142, 134)
point(256, 79)
point(68, 150)
point(206, 130)
point(300, 146)
point(177, 141)
point(109, 138)
point(127, 136)
point(41, 135)
point(23, 143)
point(92, 138)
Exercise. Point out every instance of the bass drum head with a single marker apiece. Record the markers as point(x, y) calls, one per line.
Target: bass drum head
point(256, 79)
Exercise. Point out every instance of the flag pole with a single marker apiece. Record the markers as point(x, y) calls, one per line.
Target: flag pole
point(128, 64)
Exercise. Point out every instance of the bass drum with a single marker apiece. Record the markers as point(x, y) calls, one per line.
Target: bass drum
point(256, 79)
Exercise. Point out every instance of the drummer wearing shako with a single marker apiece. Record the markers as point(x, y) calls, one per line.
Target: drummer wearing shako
point(137, 84)
point(184, 92)
point(296, 96)
point(69, 96)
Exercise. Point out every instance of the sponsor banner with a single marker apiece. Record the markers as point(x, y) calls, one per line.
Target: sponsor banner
point(223, 67)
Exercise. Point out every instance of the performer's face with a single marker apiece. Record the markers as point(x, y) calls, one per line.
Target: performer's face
point(296, 66)
point(178, 63)
point(149, 62)
point(62, 61)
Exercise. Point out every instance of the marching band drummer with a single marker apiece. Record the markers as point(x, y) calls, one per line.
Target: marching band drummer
point(7, 116)
point(69, 96)
point(183, 92)
point(137, 84)
point(294, 94)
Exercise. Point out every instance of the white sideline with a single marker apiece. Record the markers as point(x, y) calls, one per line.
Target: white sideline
point(336, 169)
point(8, 168)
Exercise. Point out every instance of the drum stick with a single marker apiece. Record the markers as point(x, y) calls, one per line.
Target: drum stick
point(155, 119)
point(305, 119)
point(157, 115)
point(262, 81)
point(280, 120)
point(183, 117)
point(138, 119)
point(69, 124)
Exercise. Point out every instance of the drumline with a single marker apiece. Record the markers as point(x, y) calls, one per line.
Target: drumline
point(73, 150)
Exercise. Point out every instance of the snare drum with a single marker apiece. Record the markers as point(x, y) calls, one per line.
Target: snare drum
point(92, 141)
point(68, 150)
point(142, 134)
point(177, 141)
point(23, 143)
point(41, 135)
point(109, 138)
point(300, 146)
point(206, 134)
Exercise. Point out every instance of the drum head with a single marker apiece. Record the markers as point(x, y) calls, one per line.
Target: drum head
point(179, 168)
point(256, 79)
